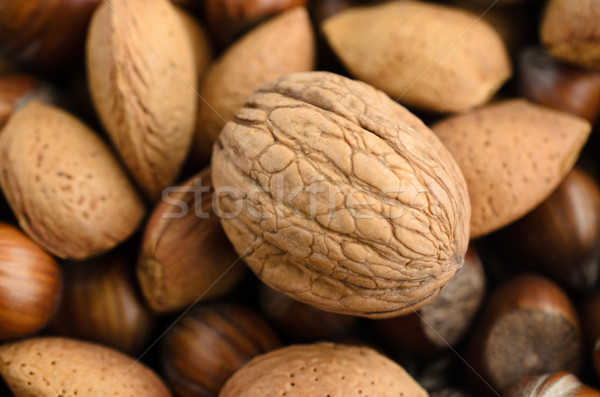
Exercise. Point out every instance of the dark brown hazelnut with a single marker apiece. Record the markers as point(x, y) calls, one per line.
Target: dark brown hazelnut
point(30, 285)
point(300, 322)
point(561, 384)
point(102, 304)
point(443, 322)
point(209, 344)
point(558, 85)
point(561, 237)
point(528, 327)
point(185, 254)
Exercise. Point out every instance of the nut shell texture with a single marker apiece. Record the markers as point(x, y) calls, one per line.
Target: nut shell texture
point(50, 367)
point(342, 199)
point(64, 185)
point(427, 55)
point(513, 154)
point(142, 78)
point(322, 369)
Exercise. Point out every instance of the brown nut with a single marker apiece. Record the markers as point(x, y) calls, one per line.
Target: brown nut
point(570, 30)
point(227, 19)
point(101, 304)
point(339, 197)
point(589, 311)
point(142, 78)
point(64, 185)
point(282, 45)
point(569, 222)
point(209, 344)
point(513, 154)
point(49, 366)
point(185, 256)
point(404, 59)
point(443, 322)
point(558, 85)
point(201, 47)
point(551, 385)
point(30, 285)
point(322, 369)
point(299, 322)
point(45, 35)
point(528, 327)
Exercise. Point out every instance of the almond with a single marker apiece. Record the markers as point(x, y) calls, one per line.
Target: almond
point(50, 366)
point(430, 56)
point(142, 78)
point(64, 185)
point(280, 46)
point(513, 154)
point(323, 369)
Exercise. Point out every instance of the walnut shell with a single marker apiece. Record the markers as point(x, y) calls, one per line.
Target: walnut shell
point(277, 47)
point(339, 197)
point(64, 185)
point(438, 58)
point(513, 154)
point(142, 77)
point(571, 32)
point(49, 367)
point(322, 369)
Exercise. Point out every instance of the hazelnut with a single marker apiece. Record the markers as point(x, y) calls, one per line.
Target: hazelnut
point(569, 222)
point(185, 255)
point(558, 85)
point(30, 286)
point(528, 327)
point(209, 344)
point(301, 322)
point(101, 304)
point(443, 322)
point(589, 310)
point(340, 198)
point(550, 385)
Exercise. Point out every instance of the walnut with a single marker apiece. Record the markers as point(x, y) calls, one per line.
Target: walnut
point(339, 197)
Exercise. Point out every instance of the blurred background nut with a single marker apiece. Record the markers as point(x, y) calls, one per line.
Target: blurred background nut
point(561, 384)
point(30, 285)
point(101, 304)
point(45, 35)
point(589, 311)
point(570, 30)
point(528, 327)
point(299, 322)
point(228, 19)
point(64, 185)
point(545, 80)
point(561, 236)
point(443, 322)
point(597, 357)
point(185, 255)
point(209, 344)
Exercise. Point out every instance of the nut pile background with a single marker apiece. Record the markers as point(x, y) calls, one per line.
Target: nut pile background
point(299, 198)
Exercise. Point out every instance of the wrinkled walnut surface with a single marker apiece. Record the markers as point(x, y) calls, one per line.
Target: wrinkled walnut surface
point(348, 201)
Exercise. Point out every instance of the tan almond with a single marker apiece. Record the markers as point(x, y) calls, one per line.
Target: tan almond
point(50, 367)
point(278, 47)
point(64, 185)
point(322, 369)
point(142, 78)
point(513, 154)
point(570, 30)
point(426, 55)
point(201, 47)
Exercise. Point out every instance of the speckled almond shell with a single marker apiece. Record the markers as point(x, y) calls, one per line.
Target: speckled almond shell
point(142, 78)
point(571, 32)
point(513, 154)
point(50, 367)
point(278, 47)
point(322, 369)
point(64, 185)
point(339, 197)
point(426, 55)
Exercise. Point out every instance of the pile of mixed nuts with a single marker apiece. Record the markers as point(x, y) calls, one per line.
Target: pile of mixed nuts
point(299, 198)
